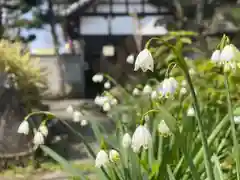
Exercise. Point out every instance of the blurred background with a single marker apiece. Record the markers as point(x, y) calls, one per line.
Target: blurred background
point(76, 39)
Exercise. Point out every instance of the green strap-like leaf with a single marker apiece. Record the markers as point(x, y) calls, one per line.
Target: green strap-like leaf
point(64, 163)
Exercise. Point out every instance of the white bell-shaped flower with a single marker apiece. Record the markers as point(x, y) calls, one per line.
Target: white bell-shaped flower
point(147, 89)
point(38, 138)
point(113, 101)
point(126, 140)
point(183, 91)
point(163, 128)
point(216, 56)
point(107, 85)
point(130, 59)
point(97, 78)
point(84, 122)
point(100, 100)
point(190, 112)
point(236, 119)
point(228, 53)
point(43, 129)
point(101, 159)
point(70, 109)
point(23, 128)
point(77, 116)
point(114, 156)
point(154, 95)
point(227, 57)
point(136, 92)
point(144, 61)
point(168, 87)
point(106, 107)
point(141, 138)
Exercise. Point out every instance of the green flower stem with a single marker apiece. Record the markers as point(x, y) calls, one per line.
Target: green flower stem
point(207, 157)
point(232, 125)
point(150, 111)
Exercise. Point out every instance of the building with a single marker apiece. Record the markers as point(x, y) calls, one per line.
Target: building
point(104, 32)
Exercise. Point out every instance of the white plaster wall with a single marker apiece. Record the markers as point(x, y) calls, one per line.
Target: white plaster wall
point(123, 25)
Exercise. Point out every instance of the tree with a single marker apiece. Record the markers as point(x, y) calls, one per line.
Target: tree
point(9, 19)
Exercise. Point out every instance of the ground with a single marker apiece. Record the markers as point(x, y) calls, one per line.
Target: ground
point(77, 154)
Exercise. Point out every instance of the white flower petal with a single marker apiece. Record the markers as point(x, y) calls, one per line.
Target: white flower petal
point(168, 87)
point(77, 116)
point(114, 156)
point(144, 61)
point(130, 59)
point(38, 138)
point(147, 89)
point(136, 92)
point(216, 56)
point(237, 119)
point(97, 78)
point(227, 53)
point(141, 138)
point(106, 107)
point(101, 159)
point(126, 140)
point(43, 129)
point(23, 128)
point(163, 128)
point(107, 85)
point(154, 95)
point(190, 112)
point(84, 122)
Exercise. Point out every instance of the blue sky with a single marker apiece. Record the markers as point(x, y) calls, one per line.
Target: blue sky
point(43, 36)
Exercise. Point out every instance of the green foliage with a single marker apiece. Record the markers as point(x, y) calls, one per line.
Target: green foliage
point(29, 79)
point(199, 146)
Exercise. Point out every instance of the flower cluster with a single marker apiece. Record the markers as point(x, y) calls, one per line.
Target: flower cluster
point(103, 158)
point(39, 135)
point(98, 78)
point(106, 102)
point(77, 115)
point(227, 57)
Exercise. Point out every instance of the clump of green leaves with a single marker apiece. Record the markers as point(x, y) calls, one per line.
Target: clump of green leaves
point(29, 78)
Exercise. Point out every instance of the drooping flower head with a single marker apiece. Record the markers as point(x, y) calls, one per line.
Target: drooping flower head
point(141, 138)
point(190, 112)
point(144, 61)
point(23, 128)
point(163, 128)
point(227, 57)
point(107, 85)
point(130, 59)
point(126, 140)
point(168, 87)
point(114, 156)
point(136, 92)
point(147, 89)
point(43, 129)
point(77, 116)
point(101, 159)
point(97, 78)
point(38, 138)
